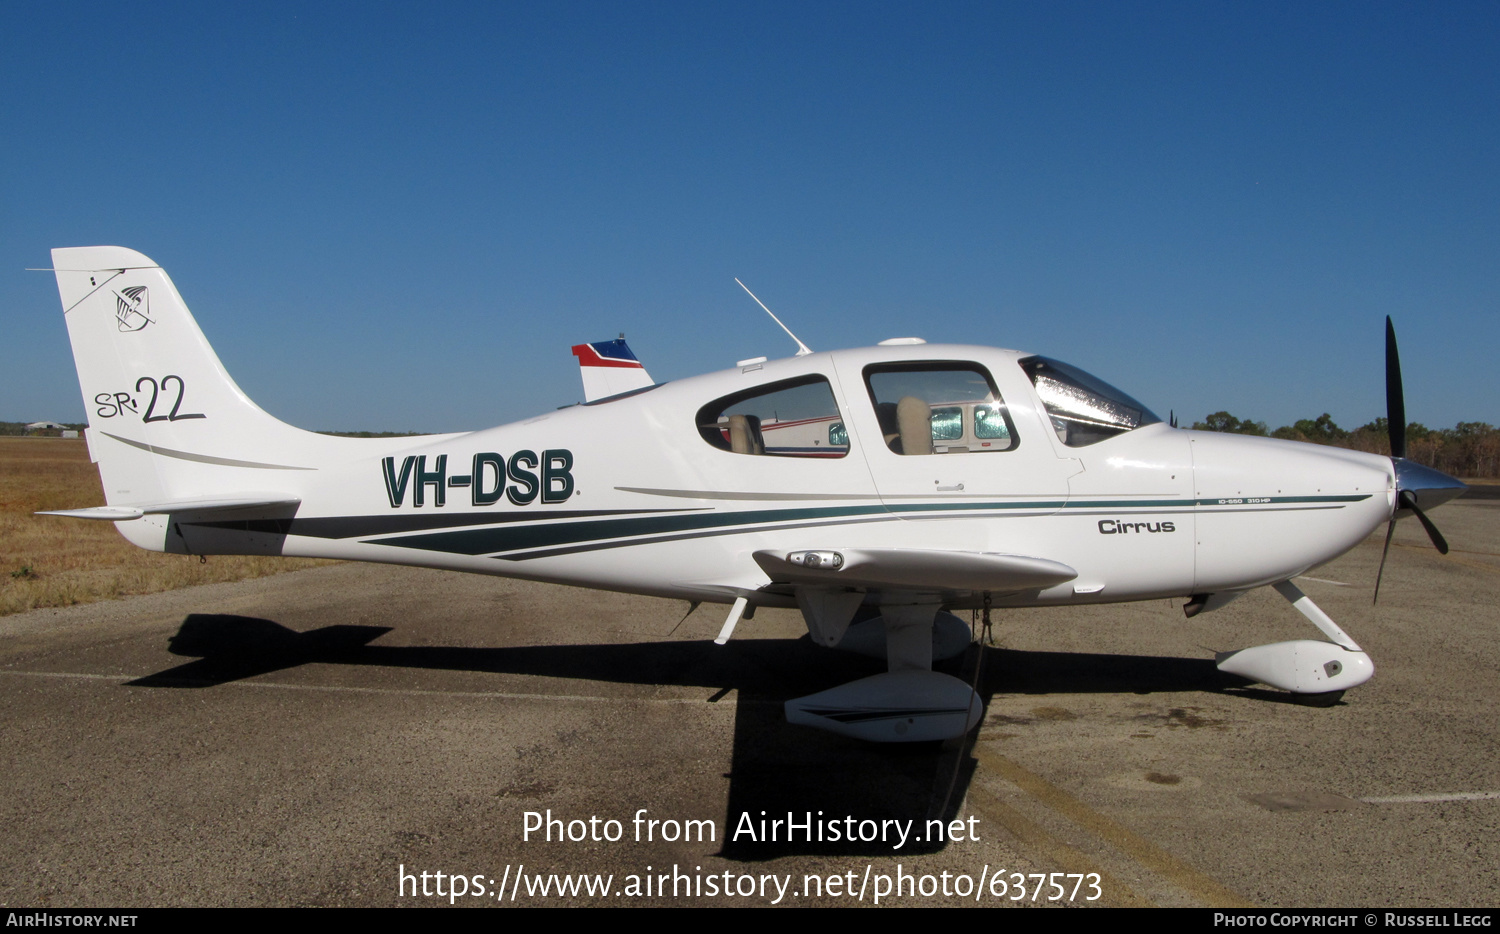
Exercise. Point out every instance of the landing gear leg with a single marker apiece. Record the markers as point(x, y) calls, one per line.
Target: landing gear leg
point(908, 636)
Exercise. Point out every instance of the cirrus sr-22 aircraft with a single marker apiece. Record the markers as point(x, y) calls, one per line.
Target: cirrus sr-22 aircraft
point(887, 484)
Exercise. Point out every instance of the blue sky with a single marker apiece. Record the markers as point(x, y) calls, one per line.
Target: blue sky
point(400, 216)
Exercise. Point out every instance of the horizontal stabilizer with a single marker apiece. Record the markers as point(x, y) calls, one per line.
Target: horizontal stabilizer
point(914, 569)
point(199, 507)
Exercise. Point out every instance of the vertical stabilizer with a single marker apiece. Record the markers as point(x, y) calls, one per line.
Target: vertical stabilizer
point(609, 368)
point(166, 422)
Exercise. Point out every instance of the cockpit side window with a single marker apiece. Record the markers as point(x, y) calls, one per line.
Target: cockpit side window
point(939, 408)
point(1084, 409)
point(794, 418)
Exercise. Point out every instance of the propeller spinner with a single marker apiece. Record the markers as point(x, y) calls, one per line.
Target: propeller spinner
point(1418, 488)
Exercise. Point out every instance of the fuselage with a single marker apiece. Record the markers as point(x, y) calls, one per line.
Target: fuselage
point(670, 491)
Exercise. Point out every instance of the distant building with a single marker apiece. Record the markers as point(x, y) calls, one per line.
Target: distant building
point(43, 426)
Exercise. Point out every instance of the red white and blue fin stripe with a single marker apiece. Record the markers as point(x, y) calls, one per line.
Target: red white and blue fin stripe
point(609, 368)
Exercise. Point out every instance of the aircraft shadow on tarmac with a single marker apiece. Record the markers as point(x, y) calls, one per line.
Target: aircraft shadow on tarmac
point(777, 768)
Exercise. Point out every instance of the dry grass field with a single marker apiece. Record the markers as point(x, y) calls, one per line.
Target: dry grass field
point(52, 561)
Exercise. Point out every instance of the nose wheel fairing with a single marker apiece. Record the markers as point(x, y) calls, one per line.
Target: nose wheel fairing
point(1304, 666)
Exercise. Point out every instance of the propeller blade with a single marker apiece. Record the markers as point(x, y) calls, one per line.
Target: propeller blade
point(1389, 531)
point(1395, 400)
point(1409, 501)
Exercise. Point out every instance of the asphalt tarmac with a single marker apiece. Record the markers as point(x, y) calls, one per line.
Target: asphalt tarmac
point(327, 737)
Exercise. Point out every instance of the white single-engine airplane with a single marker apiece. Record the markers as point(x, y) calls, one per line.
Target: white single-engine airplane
point(910, 478)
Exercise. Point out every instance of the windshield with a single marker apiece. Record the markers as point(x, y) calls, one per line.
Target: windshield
point(1084, 409)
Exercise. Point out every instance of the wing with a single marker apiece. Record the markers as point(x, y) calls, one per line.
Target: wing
point(913, 569)
point(910, 702)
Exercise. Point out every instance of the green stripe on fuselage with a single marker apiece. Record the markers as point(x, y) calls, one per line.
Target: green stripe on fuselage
point(550, 534)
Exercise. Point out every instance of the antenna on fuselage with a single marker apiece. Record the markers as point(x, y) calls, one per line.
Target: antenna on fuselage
point(802, 349)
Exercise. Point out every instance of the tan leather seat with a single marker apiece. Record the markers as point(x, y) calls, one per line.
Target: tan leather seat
point(744, 435)
point(914, 422)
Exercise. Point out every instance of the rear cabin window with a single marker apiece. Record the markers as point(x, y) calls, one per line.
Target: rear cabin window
point(939, 408)
point(795, 418)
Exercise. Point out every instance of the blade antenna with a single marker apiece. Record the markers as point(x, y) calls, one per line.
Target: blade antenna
point(802, 349)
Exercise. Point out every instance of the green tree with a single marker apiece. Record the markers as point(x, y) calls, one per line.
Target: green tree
point(1466, 431)
point(1381, 426)
point(1223, 421)
point(1320, 430)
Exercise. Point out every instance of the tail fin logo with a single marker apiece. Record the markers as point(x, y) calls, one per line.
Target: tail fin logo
point(132, 309)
